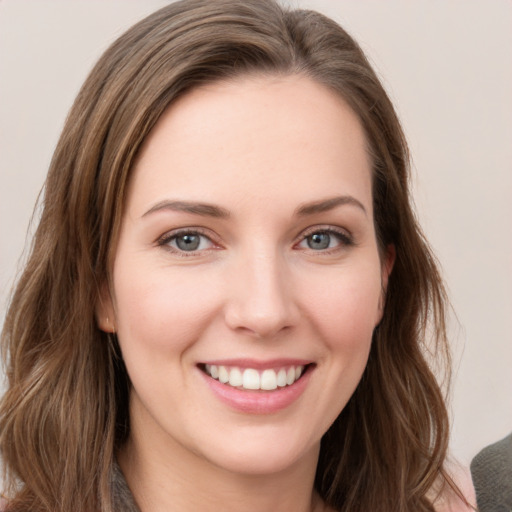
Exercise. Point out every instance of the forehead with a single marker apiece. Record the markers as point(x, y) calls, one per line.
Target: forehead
point(254, 135)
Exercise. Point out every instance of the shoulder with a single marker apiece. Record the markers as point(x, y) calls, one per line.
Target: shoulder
point(492, 475)
point(494, 461)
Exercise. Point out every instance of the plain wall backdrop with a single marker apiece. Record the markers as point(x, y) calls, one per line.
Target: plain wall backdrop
point(447, 66)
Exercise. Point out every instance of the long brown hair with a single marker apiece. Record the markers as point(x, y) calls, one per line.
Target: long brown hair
point(65, 410)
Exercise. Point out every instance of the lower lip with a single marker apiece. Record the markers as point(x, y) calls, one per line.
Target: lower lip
point(258, 402)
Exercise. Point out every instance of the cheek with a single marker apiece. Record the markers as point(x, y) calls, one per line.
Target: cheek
point(345, 307)
point(163, 311)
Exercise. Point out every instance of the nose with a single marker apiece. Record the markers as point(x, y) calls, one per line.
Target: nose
point(261, 300)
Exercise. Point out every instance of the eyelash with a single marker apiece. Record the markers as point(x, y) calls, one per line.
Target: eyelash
point(166, 239)
point(344, 238)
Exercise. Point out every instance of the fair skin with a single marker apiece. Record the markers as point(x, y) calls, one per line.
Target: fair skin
point(247, 251)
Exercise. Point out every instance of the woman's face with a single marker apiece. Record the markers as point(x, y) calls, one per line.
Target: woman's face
point(247, 253)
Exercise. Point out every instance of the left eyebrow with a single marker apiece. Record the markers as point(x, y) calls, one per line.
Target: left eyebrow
point(329, 204)
point(203, 209)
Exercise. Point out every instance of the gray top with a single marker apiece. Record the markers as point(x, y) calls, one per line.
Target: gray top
point(121, 495)
point(491, 471)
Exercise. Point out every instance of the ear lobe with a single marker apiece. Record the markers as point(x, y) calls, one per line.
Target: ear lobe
point(388, 262)
point(104, 311)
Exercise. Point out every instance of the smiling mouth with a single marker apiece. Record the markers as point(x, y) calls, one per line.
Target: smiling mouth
point(253, 379)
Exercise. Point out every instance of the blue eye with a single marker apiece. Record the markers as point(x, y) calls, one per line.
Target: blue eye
point(319, 241)
point(322, 240)
point(187, 241)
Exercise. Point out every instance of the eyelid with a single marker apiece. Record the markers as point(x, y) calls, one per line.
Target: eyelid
point(345, 236)
point(325, 228)
point(168, 236)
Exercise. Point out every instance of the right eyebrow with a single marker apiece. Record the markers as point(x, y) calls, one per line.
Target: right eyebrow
point(329, 204)
point(203, 209)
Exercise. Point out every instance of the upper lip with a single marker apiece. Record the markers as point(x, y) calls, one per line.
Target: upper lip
point(258, 364)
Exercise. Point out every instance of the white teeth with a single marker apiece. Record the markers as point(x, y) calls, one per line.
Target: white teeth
point(235, 377)
point(249, 378)
point(281, 378)
point(214, 371)
point(223, 374)
point(268, 380)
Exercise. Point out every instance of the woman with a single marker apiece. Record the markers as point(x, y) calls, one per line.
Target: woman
point(227, 297)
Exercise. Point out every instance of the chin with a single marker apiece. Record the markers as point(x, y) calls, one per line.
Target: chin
point(264, 456)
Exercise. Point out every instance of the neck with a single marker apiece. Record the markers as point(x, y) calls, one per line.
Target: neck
point(170, 477)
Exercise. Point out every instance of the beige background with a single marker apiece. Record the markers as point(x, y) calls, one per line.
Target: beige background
point(447, 65)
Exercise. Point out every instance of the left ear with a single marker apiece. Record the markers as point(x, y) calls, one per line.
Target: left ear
point(388, 261)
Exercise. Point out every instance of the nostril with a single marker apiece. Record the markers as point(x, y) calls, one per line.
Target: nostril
point(259, 325)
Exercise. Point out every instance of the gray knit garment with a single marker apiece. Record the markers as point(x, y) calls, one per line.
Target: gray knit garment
point(121, 495)
point(491, 471)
